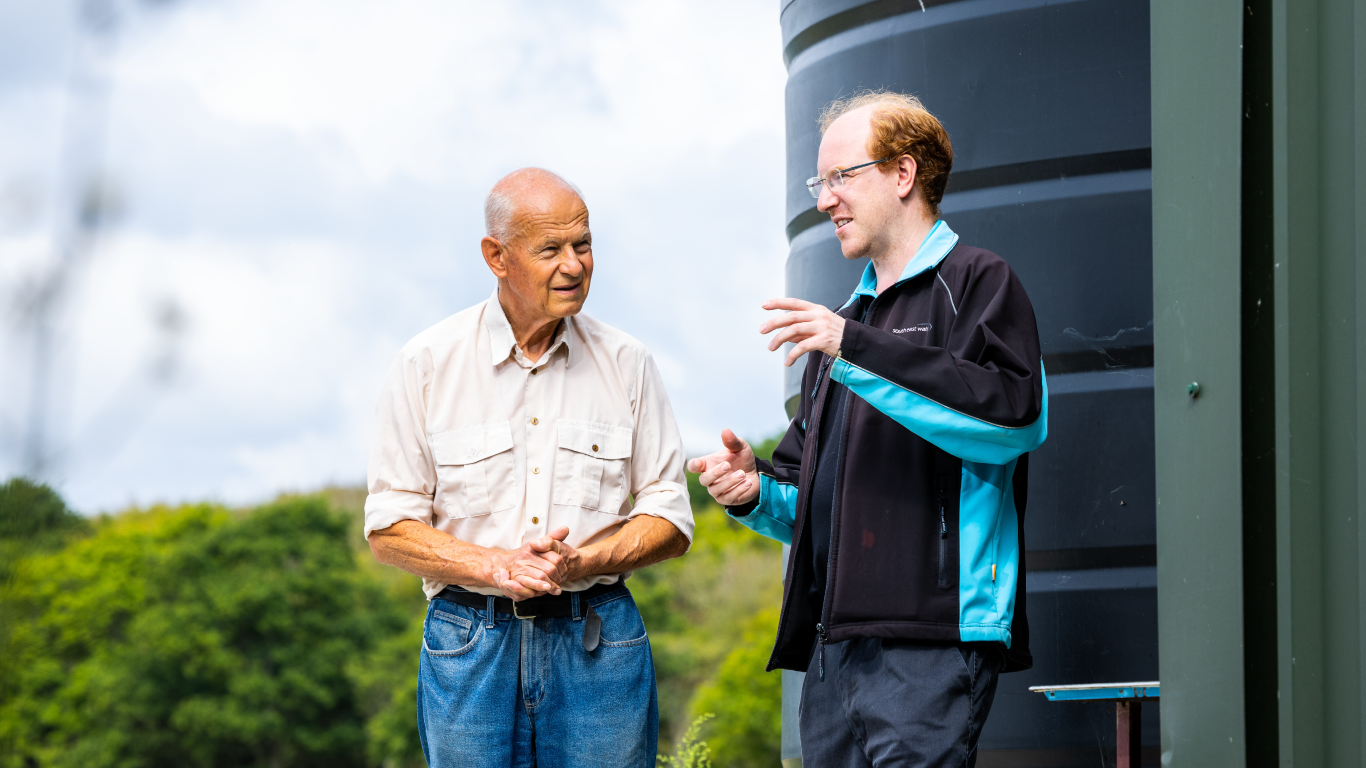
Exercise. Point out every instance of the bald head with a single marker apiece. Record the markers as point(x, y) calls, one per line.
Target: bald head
point(539, 247)
point(517, 191)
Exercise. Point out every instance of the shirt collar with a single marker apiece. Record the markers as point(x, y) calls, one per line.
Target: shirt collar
point(503, 344)
point(935, 247)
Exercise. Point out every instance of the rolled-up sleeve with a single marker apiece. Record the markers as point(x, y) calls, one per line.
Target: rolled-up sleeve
point(657, 481)
point(402, 475)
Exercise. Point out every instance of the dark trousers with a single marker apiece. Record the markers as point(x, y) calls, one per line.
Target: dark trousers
point(895, 703)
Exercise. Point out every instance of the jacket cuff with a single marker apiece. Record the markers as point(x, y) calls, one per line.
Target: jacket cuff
point(744, 509)
point(765, 468)
point(851, 341)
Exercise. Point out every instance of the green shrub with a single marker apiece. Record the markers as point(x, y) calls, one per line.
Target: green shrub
point(203, 636)
point(196, 637)
point(701, 610)
point(692, 752)
point(33, 518)
point(746, 700)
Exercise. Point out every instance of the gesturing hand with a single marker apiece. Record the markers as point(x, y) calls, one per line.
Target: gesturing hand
point(810, 326)
point(535, 568)
point(729, 475)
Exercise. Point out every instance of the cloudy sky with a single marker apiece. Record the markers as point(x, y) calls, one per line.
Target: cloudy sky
point(300, 182)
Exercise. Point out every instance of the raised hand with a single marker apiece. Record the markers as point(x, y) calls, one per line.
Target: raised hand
point(535, 568)
point(809, 326)
point(729, 475)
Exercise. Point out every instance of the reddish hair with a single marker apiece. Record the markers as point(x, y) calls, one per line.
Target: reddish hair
point(902, 126)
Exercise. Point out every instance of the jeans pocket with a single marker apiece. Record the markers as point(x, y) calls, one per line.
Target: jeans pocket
point(448, 634)
point(622, 626)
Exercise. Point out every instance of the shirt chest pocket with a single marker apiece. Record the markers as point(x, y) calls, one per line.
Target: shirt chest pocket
point(590, 465)
point(475, 469)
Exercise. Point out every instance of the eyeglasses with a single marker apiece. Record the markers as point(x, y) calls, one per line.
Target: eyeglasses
point(834, 178)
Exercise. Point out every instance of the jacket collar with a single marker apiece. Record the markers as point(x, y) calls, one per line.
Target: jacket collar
point(933, 249)
point(503, 344)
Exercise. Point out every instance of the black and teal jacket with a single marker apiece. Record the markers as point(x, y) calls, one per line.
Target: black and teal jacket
point(927, 530)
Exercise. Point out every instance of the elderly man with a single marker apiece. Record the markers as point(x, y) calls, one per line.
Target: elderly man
point(525, 461)
point(900, 484)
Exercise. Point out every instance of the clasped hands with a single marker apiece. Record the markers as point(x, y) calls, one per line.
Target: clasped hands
point(536, 568)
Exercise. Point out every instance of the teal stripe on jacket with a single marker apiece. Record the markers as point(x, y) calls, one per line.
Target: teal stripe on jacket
point(988, 552)
point(776, 514)
point(963, 436)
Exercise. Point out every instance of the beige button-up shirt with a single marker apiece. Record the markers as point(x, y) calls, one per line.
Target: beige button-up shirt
point(473, 439)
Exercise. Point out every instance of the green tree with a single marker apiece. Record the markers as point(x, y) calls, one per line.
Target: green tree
point(746, 700)
point(386, 677)
point(696, 607)
point(197, 637)
point(202, 636)
point(699, 608)
point(33, 518)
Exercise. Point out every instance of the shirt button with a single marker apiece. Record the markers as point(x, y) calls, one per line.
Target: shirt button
point(535, 470)
point(535, 421)
point(535, 520)
point(595, 449)
point(534, 370)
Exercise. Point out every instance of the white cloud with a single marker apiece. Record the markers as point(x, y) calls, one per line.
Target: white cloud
point(305, 179)
point(430, 88)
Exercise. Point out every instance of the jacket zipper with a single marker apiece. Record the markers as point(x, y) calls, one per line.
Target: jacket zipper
point(943, 536)
point(820, 638)
point(800, 530)
point(835, 518)
point(834, 538)
point(819, 373)
point(803, 509)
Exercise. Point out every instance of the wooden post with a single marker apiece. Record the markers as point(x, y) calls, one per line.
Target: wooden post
point(1128, 734)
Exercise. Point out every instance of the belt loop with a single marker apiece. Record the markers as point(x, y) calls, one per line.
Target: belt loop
point(574, 606)
point(488, 617)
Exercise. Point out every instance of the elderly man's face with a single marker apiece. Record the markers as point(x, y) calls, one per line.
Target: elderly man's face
point(548, 265)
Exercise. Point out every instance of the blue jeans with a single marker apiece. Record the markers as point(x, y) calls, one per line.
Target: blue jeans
point(495, 690)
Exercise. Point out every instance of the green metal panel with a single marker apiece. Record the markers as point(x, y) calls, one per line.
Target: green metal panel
point(1197, 122)
point(1299, 537)
point(1317, 65)
point(1358, 139)
point(1300, 189)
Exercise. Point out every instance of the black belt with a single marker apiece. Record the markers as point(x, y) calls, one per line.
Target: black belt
point(560, 605)
point(545, 605)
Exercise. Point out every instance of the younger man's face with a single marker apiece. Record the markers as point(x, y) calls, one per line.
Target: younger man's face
point(866, 205)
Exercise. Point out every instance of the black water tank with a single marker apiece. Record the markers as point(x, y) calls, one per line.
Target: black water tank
point(1047, 104)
